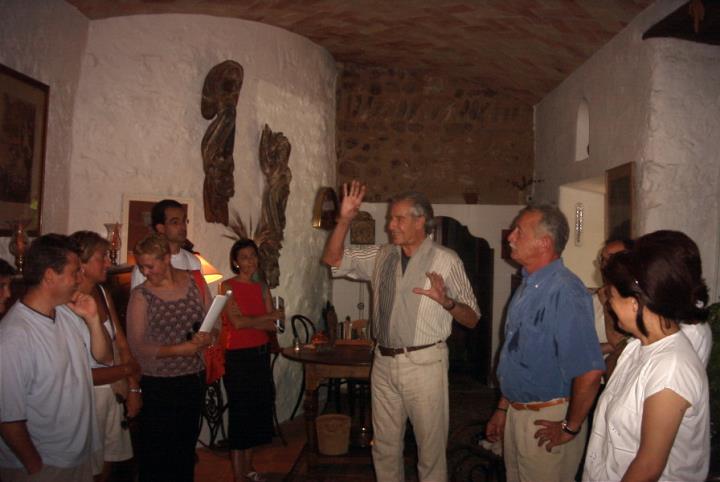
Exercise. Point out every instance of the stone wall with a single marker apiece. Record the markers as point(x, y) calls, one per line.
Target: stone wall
point(398, 130)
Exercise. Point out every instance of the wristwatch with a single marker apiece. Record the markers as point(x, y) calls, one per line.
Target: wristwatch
point(566, 429)
point(452, 305)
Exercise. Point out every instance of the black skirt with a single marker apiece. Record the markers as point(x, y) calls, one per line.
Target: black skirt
point(250, 390)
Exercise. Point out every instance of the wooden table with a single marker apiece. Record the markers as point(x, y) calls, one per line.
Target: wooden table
point(342, 361)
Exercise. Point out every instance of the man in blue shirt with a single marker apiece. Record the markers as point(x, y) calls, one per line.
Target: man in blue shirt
point(550, 364)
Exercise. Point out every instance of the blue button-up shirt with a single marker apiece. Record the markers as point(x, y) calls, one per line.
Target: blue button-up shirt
point(549, 336)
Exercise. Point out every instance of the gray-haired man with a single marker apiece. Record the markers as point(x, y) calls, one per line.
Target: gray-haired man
point(418, 288)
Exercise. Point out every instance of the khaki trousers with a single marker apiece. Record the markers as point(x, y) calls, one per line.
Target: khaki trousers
point(525, 461)
point(412, 385)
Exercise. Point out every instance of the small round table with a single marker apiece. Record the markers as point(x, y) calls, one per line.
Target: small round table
point(340, 361)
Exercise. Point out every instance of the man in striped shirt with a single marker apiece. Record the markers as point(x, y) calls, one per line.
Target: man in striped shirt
point(418, 288)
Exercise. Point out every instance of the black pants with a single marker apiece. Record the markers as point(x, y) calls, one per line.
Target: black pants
point(169, 427)
point(250, 391)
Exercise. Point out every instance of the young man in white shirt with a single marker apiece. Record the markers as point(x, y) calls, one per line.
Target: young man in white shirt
point(48, 429)
point(169, 218)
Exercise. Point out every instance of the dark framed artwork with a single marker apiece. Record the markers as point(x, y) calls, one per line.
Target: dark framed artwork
point(362, 229)
point(619, 202)
point(137, 220)
point(23, 126)
point(325, 209)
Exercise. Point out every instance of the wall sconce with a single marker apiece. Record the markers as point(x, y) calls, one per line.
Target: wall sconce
point(579, 213)
point(209, 272)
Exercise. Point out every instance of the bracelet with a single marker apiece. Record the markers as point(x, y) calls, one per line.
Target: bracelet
point(566, 429)
point(451, 307)
point(501, 409)
point(135, 390)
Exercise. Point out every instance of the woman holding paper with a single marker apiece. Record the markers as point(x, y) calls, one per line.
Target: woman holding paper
point(249, 326)
point(161, 313)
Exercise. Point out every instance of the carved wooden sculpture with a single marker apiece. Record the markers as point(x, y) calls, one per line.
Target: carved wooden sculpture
point(219, 98)
point(268, 235)
point(274, 156)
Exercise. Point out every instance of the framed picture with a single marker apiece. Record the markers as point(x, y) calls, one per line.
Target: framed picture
point(23, 125)
point(137, 220)
point(362, 229)
point(325, 209)
point(619, 202)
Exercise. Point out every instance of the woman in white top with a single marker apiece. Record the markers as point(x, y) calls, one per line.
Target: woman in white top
point(652, 421)
point(110, 381)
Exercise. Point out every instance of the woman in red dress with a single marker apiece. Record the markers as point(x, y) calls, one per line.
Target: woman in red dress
point(249, 325)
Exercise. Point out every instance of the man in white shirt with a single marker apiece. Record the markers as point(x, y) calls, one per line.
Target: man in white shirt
point(48, 429)
point(168, 217)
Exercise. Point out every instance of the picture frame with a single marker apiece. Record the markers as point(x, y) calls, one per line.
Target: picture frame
point(325, 209)
point(23, 133)
point(136, 220)
point(362, 229)
point(619, 202)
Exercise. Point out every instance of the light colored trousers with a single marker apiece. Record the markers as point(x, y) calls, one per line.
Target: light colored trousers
point(413, 385)
point(525, 461)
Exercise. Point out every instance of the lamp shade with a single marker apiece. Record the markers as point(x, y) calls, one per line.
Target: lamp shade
point(209, 272)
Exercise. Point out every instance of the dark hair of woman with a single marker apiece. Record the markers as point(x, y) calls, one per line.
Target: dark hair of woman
point(664, 277)
point(240, 244)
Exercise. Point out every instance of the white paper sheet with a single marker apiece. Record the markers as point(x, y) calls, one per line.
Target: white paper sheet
point(214, 312)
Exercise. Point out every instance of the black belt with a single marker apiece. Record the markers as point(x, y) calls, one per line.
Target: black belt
point(384, 351)
point(253, 350)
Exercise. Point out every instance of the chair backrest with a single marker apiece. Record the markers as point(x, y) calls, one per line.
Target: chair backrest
point(303, 328)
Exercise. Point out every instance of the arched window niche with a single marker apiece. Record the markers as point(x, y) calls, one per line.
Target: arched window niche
point(582, 131)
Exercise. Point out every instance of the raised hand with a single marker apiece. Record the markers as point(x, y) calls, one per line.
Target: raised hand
point(437, 289)
point(84, 306)
point(353, 194)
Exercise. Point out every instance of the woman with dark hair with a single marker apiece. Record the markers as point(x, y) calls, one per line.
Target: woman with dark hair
point(652, 421)
point(162, 313)
point(248, 325)
point(678, 245)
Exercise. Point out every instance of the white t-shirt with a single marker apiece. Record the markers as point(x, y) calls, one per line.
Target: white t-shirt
point(183, 259)
point(641, 372)
point(700, 336)
point(45, 380)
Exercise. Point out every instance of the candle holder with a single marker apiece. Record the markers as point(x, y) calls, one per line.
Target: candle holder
point(19, 243)
point(113, 236)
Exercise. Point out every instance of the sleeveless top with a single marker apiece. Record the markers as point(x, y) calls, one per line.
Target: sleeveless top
point(249, 298)
point(168, 323)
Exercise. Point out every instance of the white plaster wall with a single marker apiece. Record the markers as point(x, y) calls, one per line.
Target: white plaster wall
point(483, 221)
point(580, 257)
point(45, 40)
point(138, 130)
point(653, 102)
point(679, 175)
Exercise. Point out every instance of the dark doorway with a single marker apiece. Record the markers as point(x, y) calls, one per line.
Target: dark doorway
point(471, 350)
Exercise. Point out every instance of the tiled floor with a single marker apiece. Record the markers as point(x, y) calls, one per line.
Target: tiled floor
point(274, 461)
point(469, 402)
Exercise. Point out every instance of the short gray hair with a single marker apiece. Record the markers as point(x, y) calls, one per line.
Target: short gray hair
point(553, 222)
point(420, 207)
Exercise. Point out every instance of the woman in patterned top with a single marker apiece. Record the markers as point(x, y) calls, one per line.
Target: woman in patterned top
point(162, 313)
